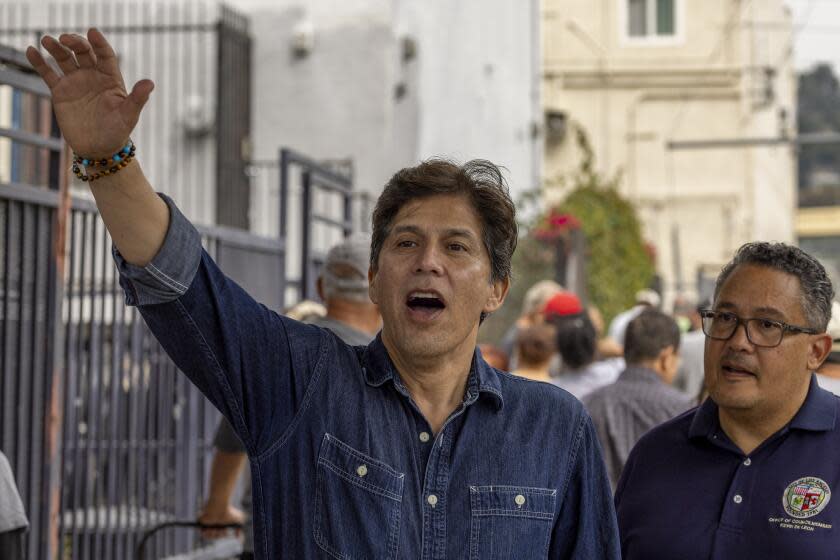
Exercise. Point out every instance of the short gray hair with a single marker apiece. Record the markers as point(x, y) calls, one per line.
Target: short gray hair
point(814, 283)
point(537, 296)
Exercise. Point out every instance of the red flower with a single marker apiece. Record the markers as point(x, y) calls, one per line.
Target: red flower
point(556, 225)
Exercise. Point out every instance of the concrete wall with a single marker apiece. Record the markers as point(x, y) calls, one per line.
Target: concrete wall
point(388, 83)
point(469, 92)
point(479, 89)
point(708, 81)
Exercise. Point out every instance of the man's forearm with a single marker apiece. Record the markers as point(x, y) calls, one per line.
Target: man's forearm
point(136, 217)
point(224, 472)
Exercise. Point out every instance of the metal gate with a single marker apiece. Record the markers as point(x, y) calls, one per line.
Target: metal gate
point(105, 437)
point(194, 136)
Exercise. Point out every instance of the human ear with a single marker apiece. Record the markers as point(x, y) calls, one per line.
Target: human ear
point(498, 295)
point(372, 286)
point(818, 350)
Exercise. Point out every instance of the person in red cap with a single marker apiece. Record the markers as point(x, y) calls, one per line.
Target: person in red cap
point(562, 304)
point(577, 343)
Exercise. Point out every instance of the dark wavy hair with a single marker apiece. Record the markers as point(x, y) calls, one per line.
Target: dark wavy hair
point(814, 283)
point(649, 334)
point(479, 180)
point(577, 340)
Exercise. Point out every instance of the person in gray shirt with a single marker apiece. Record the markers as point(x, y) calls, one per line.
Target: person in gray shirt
point(352, 317)
point(642, 397)
point(691, 375)
point(13, 522)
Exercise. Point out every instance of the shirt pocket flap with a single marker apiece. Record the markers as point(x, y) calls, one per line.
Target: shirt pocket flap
point(514, 501)
point(359, 469)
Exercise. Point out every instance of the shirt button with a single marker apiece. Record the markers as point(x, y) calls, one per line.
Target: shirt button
point(424, 436)
point(432, 499)
point(520, 500)
point(362, 470)
point(737, 499)
point(747, 462)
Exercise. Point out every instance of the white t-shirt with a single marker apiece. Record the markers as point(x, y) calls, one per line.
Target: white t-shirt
point(829, 383)
point(12, 515)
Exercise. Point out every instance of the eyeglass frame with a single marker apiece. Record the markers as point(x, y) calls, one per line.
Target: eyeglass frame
point(786, 327)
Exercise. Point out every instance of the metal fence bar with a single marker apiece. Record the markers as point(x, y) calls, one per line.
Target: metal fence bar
point(40, 297)
point(306, 243)
point(22, 82)
point(31, 139)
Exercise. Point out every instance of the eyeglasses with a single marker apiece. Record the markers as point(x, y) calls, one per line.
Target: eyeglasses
point(721, 325)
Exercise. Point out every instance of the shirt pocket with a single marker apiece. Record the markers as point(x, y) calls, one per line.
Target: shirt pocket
point(510, 522)
point(357, 504)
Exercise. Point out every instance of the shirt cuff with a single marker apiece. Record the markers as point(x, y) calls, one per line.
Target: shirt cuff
point(170, 273)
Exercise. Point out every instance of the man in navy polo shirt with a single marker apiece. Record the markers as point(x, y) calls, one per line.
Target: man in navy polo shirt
point(750, 473)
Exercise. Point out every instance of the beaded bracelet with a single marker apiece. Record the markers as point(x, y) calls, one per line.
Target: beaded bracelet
point(111, 165)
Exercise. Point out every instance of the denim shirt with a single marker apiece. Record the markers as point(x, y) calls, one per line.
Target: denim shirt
point(344, 465)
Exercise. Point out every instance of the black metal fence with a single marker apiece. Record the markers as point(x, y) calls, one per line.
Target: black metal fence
point(105, 437)
point(335, 190)
point(194, 137)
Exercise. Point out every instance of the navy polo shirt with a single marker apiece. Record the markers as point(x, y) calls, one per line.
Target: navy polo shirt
point(687, 492)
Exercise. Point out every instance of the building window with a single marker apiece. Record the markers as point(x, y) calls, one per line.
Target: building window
point(651, 18)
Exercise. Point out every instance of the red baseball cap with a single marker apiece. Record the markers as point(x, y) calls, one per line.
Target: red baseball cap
point(562, 304)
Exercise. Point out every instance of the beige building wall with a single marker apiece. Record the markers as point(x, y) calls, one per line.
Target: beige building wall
point(722, 74)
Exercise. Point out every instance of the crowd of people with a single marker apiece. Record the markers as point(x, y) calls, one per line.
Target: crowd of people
point(414, 444)
point(644, 370)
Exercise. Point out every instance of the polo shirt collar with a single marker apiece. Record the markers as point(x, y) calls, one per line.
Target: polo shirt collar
point(483, 381)
point(705, 422)
point(818, 413)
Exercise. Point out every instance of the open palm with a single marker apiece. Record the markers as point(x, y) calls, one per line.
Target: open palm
point(94, 111)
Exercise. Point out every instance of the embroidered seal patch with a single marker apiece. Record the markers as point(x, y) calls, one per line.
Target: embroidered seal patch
point(806, 497)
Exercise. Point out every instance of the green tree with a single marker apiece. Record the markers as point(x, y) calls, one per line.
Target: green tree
point(617, 260)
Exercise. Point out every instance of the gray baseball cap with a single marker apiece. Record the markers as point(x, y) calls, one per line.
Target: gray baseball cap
point(346, 268)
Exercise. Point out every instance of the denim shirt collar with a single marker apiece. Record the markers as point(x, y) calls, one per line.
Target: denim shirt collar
point(483, 380)
point(817, 414)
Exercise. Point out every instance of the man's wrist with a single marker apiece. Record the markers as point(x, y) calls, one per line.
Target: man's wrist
point(216, 504)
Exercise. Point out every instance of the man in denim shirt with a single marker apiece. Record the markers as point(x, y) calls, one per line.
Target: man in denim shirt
point(411, 447)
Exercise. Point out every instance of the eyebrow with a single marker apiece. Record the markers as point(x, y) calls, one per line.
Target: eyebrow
point(768, 312)
point(451, 232)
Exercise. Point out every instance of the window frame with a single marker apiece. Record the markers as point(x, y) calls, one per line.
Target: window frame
point(651, 40)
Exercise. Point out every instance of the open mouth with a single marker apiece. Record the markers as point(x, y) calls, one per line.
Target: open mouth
point(425, 304)
point(734, 370)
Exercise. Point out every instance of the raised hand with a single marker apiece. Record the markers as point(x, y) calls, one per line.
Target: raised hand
point(95, 112)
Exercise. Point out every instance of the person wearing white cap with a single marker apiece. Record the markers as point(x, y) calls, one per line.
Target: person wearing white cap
point(13, 522)
point(343, 287)
point(645, 299)
point(828, 376)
